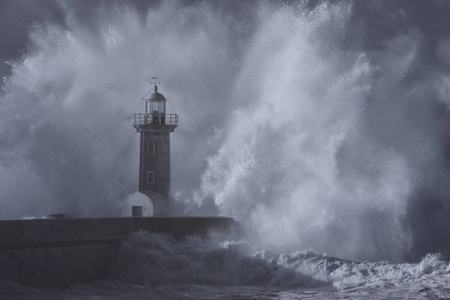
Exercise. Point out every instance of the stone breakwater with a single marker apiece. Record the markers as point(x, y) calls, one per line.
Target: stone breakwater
point(49, 252)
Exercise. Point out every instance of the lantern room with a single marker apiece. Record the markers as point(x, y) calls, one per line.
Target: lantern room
point(155, 102)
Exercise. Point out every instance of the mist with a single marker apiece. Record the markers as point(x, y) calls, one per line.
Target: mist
point(297, 119)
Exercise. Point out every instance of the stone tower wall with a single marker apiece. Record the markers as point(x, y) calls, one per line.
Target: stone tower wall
point(155, 157)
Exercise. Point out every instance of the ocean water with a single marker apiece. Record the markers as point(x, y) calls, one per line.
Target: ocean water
point(155, 266)
point(321, 126)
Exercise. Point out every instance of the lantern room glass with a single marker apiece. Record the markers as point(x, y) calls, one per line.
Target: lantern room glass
point(155, 106)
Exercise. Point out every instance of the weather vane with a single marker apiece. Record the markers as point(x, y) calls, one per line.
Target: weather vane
point(155, 80)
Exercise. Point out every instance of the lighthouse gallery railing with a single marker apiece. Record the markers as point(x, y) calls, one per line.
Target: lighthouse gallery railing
point(155, 119)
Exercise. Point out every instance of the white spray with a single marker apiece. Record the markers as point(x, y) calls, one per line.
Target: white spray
point(286, 122)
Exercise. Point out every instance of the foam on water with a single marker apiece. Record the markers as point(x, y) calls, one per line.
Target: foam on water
point(160, 259)
point(158, 266)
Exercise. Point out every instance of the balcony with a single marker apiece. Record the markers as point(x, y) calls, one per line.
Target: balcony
point(155, 119)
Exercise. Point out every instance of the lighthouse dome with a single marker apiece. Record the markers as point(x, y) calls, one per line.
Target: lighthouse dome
point(155, 96)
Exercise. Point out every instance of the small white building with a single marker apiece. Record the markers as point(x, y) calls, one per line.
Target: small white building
point(137, 205)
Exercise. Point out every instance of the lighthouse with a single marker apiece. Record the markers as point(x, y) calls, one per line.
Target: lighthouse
point(155, 126)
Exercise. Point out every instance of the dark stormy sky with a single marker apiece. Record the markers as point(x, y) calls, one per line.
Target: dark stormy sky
point(356, 164)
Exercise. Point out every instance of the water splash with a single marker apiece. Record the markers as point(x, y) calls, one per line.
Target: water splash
point(330, 140)
point(156, 259)
point(286, 122)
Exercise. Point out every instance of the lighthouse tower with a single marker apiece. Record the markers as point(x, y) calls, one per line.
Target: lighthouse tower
point(155, 127)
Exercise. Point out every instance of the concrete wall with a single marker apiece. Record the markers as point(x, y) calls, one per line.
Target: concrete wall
point(48, 252)
point(45, 265)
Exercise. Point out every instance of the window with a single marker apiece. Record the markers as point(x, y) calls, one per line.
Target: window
point(151, 147)
point(150, 177)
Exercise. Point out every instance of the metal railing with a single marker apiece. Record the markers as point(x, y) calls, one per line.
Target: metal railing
point(156, 119)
